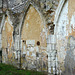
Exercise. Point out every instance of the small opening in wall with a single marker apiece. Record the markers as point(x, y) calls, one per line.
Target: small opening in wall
point(5, 15)
point(53, 24)
point(47, 56)
point(0, 53)
point(24, 41)
point(38, 43)
point(24, 55)
point(7, 50)
point(44, 6)
point(37, 54)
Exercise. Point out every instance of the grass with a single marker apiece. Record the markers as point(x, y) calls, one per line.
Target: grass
point(11, 70)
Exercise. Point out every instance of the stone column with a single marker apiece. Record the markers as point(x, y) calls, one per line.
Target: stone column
point(1, 27)
point(0, 42)
point(51, 48)
point(16, 43)
point(16, 49)
point(0, 49)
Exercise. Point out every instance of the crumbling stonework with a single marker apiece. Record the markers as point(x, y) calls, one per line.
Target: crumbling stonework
point(65, 36)
point(34, 45)
point(39, 35)
point(28, 17)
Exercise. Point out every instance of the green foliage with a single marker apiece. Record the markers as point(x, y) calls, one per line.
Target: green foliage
point(11, 70)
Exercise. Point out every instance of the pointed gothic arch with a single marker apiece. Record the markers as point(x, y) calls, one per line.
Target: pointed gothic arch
point(24, 16)
point(58, 11)
point(7, 39)
point(34, 33)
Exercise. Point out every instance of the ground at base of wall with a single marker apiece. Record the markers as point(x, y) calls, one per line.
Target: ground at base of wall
point(11, 70)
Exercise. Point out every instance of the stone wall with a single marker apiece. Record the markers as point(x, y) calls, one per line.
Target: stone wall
point(33, 37)
point(28, 39)
point(64, 32)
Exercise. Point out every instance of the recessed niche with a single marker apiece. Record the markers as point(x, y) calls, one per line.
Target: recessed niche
point(7, 50)
point(24, 41)
point(5, 15)
point(38, 43)
point(47, 56)
point(37, 54)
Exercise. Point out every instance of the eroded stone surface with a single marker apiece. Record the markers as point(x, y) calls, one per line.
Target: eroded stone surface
point(29, 27)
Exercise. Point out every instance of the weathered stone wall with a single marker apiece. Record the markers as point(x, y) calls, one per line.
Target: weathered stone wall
point(33, 39)
point(7, 39)
point(27, 24)
point(65, 38)
point(33, 20)
point(61, 34)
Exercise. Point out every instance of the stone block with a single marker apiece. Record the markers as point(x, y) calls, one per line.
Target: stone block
point(49, 59)
point(52, 46)
point(33, 54)
point(27, 53)
point(37, 49)
point(32, 49)
point(24, 48)
point(52, 58)
point(32, 42)
point(49, 70)
point(0, 36)
point(0, 3)
point(51, 39)
point(0, 46)
point(48, 47)
point(49, 64)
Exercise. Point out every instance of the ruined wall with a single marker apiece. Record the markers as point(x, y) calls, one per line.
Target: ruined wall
point(7, 40)
point(33, 26)
point(27, 43)
point(65, 38)
point(61, 34)
point(33, 39)
point(34, 30)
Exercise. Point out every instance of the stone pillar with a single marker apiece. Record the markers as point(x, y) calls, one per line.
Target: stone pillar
point(2, 23)
point(17, 50)
point(0, 49)
point(16, 44)
point(1, 27)
point(0, 42)
point(51, 48)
